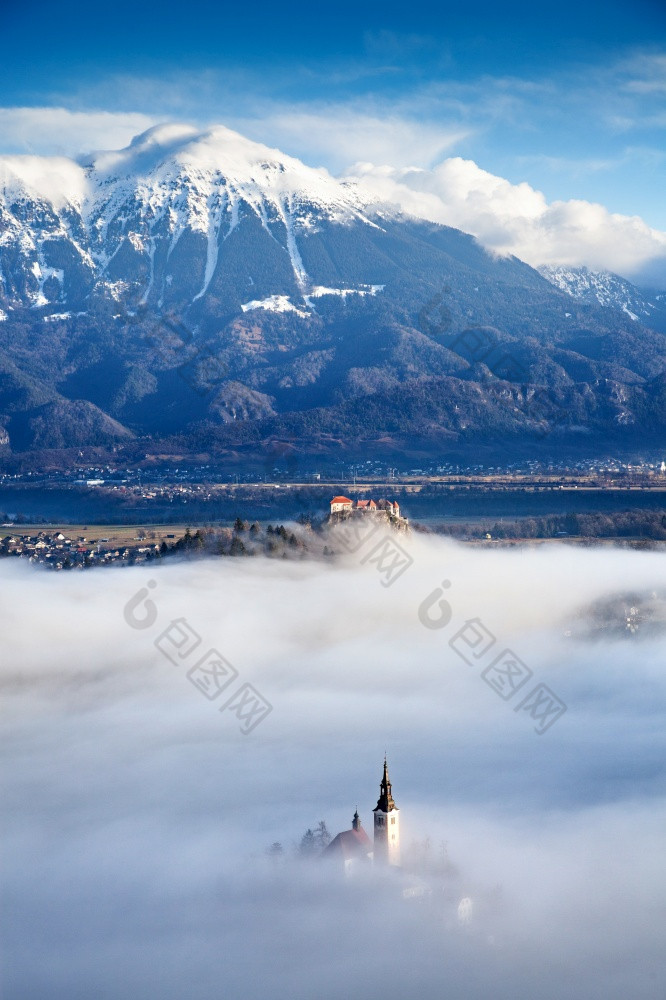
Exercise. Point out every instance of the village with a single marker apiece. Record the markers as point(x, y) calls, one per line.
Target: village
point(67, 548)
point(57, 551)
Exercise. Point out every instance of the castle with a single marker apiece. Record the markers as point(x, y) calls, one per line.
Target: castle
point(354, 847)
point(343, 505)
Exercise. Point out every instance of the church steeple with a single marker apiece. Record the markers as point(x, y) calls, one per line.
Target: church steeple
point(356, 822)
point(385, 802)
point(387, 824)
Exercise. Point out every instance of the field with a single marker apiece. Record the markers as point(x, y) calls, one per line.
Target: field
point(120, 535)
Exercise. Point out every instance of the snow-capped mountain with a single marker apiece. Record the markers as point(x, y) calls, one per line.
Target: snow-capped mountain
point(197, 292)
point(610, 290)
point(151, 222)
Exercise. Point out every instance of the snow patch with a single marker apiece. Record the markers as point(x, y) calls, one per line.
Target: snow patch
point(151, 279)
point(215, 211)
point(116, 289)
point(274, 303)
point(320, 290)
point(43, 274)
point(57, 317)
point(630, 314)
point(297, 264)
point(138, 242)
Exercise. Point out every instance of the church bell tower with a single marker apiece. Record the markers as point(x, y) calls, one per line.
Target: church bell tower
point(387, 824)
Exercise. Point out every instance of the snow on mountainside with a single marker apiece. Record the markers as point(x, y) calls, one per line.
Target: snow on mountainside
point(173, 197)
point(199, 291)
point(610, 290)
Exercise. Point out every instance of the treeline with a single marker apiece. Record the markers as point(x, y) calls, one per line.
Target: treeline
point(642, 524)
point(245, 539)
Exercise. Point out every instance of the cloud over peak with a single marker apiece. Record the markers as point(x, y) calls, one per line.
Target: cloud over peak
point(517, 219)
point(507, 217)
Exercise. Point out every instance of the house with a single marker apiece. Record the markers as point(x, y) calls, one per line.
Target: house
point(392, 506)
point(340, 503)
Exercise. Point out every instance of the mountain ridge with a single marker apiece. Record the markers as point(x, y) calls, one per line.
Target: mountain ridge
point(647, 306)
point(201, 290)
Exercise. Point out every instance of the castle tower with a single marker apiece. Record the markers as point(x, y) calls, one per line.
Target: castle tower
point(387, 824)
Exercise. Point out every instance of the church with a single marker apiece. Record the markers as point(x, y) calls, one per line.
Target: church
point(353, 848)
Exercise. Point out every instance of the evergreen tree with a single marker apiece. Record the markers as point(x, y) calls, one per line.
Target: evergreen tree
point(308, 845)
point(237, 547)
point(275, 852)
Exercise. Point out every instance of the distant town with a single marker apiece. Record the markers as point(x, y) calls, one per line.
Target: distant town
point(59, 550)
point(203, 493)
point(165, 480)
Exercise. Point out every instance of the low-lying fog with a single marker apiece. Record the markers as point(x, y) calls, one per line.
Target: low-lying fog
point(138, 816)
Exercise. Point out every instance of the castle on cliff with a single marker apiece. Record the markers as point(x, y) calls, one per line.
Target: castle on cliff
point(343, 505)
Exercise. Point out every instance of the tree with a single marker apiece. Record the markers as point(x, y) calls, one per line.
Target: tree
point(237, 547)
point(321, 835)
point(313, 842)
point(275, 852)
point(308, 844)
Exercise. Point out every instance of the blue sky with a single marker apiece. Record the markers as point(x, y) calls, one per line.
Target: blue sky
point(568, 97)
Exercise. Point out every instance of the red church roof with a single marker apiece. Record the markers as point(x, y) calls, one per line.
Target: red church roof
point(350, 844)
point(340, 500)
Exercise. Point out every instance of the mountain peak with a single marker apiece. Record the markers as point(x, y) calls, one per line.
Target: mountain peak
point(124, 213)
point(173, 149)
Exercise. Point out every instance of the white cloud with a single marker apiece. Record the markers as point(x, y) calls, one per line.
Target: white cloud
point(340, 135)
point(645, 74)
point(48, 131)
point(506, 217)
point(517, 219)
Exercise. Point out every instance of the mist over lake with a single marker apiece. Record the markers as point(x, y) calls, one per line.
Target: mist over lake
point(138, 815)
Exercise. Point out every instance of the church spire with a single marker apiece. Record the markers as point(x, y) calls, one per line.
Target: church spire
point(385, 802)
